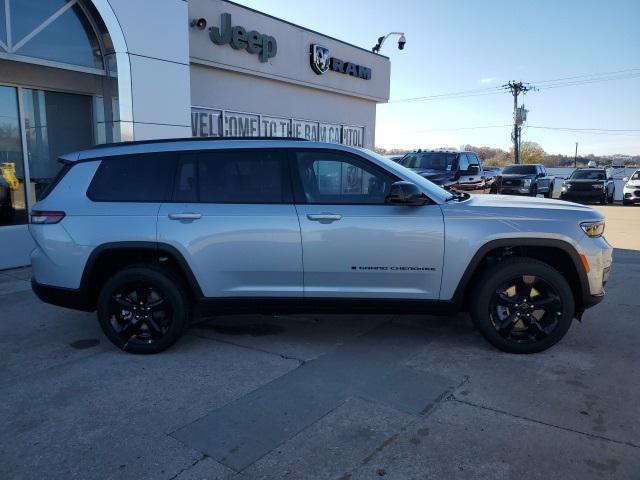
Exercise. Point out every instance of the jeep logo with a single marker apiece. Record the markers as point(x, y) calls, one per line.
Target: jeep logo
point(253, 42)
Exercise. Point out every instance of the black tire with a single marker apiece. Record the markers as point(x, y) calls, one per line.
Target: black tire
point(549, 193)
point(604, 199)
point(515, 332)
point(534, 191)
point(151, 326)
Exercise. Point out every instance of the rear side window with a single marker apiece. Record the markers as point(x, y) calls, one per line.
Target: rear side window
point(133, 178)
point(228, 176)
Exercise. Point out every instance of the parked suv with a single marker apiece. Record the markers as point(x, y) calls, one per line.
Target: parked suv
point(451, 170)
point(631, 190)
point(153, 234)
point(589, 185)
point(528, 179)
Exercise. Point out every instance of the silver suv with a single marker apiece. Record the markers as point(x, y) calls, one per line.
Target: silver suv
point(154, 234)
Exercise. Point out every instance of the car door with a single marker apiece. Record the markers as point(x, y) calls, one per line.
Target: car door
point(471, 179)
point(232, 218)
point(543, 179)
point(354, 244)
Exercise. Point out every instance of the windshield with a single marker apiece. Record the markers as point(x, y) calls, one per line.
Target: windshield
point(588, 175)
point(429, 160)
point(434, 191)
point(636, 176)
point(520, 169)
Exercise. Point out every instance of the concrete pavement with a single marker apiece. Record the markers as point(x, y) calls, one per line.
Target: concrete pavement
point(332, 396)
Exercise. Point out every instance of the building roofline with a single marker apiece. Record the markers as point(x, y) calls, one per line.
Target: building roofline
point(303, 28)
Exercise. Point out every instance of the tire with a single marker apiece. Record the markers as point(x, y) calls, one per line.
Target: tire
point(604, 199)
point(534, 191)
point(549, 193)
point(152, 326)
point(506, 326)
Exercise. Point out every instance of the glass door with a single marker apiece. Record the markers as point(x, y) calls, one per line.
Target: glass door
point(15, 242)
point(13, 206)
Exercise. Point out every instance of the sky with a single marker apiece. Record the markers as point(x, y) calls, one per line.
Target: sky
point(461, 45)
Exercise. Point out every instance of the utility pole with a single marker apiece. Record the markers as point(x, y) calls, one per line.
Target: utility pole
point(519, 115)
point(575, 158)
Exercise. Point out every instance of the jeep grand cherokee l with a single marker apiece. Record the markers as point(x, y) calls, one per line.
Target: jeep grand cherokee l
point(149, 233)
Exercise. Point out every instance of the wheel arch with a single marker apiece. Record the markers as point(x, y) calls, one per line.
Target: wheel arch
point(559, 254)
point(108, 258)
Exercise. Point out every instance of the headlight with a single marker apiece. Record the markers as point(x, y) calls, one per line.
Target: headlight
point(565, 187)
point(593, 229)
point(526, 182)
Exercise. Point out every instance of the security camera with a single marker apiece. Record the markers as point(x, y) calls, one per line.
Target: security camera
point(199, 23)
point(401, 42)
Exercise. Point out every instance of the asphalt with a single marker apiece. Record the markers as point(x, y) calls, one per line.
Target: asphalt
point(331, 396)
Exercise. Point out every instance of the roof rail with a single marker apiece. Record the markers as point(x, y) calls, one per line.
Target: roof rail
point(191, 139)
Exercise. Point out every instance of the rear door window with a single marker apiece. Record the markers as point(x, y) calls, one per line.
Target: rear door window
point(133, 178)
point(228, 176)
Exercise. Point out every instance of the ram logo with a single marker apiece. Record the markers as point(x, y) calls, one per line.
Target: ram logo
point(320, 58)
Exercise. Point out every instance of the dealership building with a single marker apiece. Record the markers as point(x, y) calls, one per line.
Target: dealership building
point(76, 73)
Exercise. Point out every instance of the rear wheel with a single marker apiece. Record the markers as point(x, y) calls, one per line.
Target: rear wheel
point(549, 193)
point(522, 305)
point(143, 309)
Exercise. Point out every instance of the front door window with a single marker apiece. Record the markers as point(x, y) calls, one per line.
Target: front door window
point(13, 207)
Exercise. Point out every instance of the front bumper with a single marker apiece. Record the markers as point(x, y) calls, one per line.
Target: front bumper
point(586, 195)
point(515, 190)
point(631, 194)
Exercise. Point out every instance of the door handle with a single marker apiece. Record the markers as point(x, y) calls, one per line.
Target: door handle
point(185, 216)
point(324, 217)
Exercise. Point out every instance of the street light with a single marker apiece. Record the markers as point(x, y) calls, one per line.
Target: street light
point(401, 41)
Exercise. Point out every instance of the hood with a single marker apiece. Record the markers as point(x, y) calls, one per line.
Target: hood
point(517, 176)
point(506, 206)
point(582, 180)
point(436, 176)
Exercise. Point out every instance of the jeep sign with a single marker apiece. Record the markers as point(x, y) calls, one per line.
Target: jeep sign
point(253, 42)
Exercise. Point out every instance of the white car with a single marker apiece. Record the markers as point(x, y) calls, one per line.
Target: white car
point(631, 191)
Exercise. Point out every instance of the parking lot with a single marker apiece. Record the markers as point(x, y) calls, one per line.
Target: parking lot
point(331, 396)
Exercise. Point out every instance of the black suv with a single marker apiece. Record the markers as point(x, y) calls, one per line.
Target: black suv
point(530, 179)
point(589, 185)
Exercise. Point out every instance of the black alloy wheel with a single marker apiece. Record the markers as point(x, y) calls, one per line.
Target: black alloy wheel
point(522, 305)
point(143, 309)
point(525, 309)
point(140, 313)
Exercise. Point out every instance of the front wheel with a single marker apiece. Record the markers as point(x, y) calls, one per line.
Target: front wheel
point(549, 193)
point(143, 309)
point(522, 305)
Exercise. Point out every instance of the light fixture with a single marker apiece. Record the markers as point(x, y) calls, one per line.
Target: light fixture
point(401, 41)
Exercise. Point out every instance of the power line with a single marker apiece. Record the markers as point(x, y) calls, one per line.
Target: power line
point(544, 84)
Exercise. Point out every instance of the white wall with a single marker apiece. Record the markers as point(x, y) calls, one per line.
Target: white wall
point(157, 47)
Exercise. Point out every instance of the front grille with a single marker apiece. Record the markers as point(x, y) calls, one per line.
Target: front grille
point(582, 187)
point(512, 183)
point(637, 193)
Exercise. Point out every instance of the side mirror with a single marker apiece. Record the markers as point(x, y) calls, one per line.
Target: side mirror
point(405, 193)
point(473, 170)
point(625, 179)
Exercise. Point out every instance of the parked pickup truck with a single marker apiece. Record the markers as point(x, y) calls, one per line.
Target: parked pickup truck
point(451, 170)
point(528, 179)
